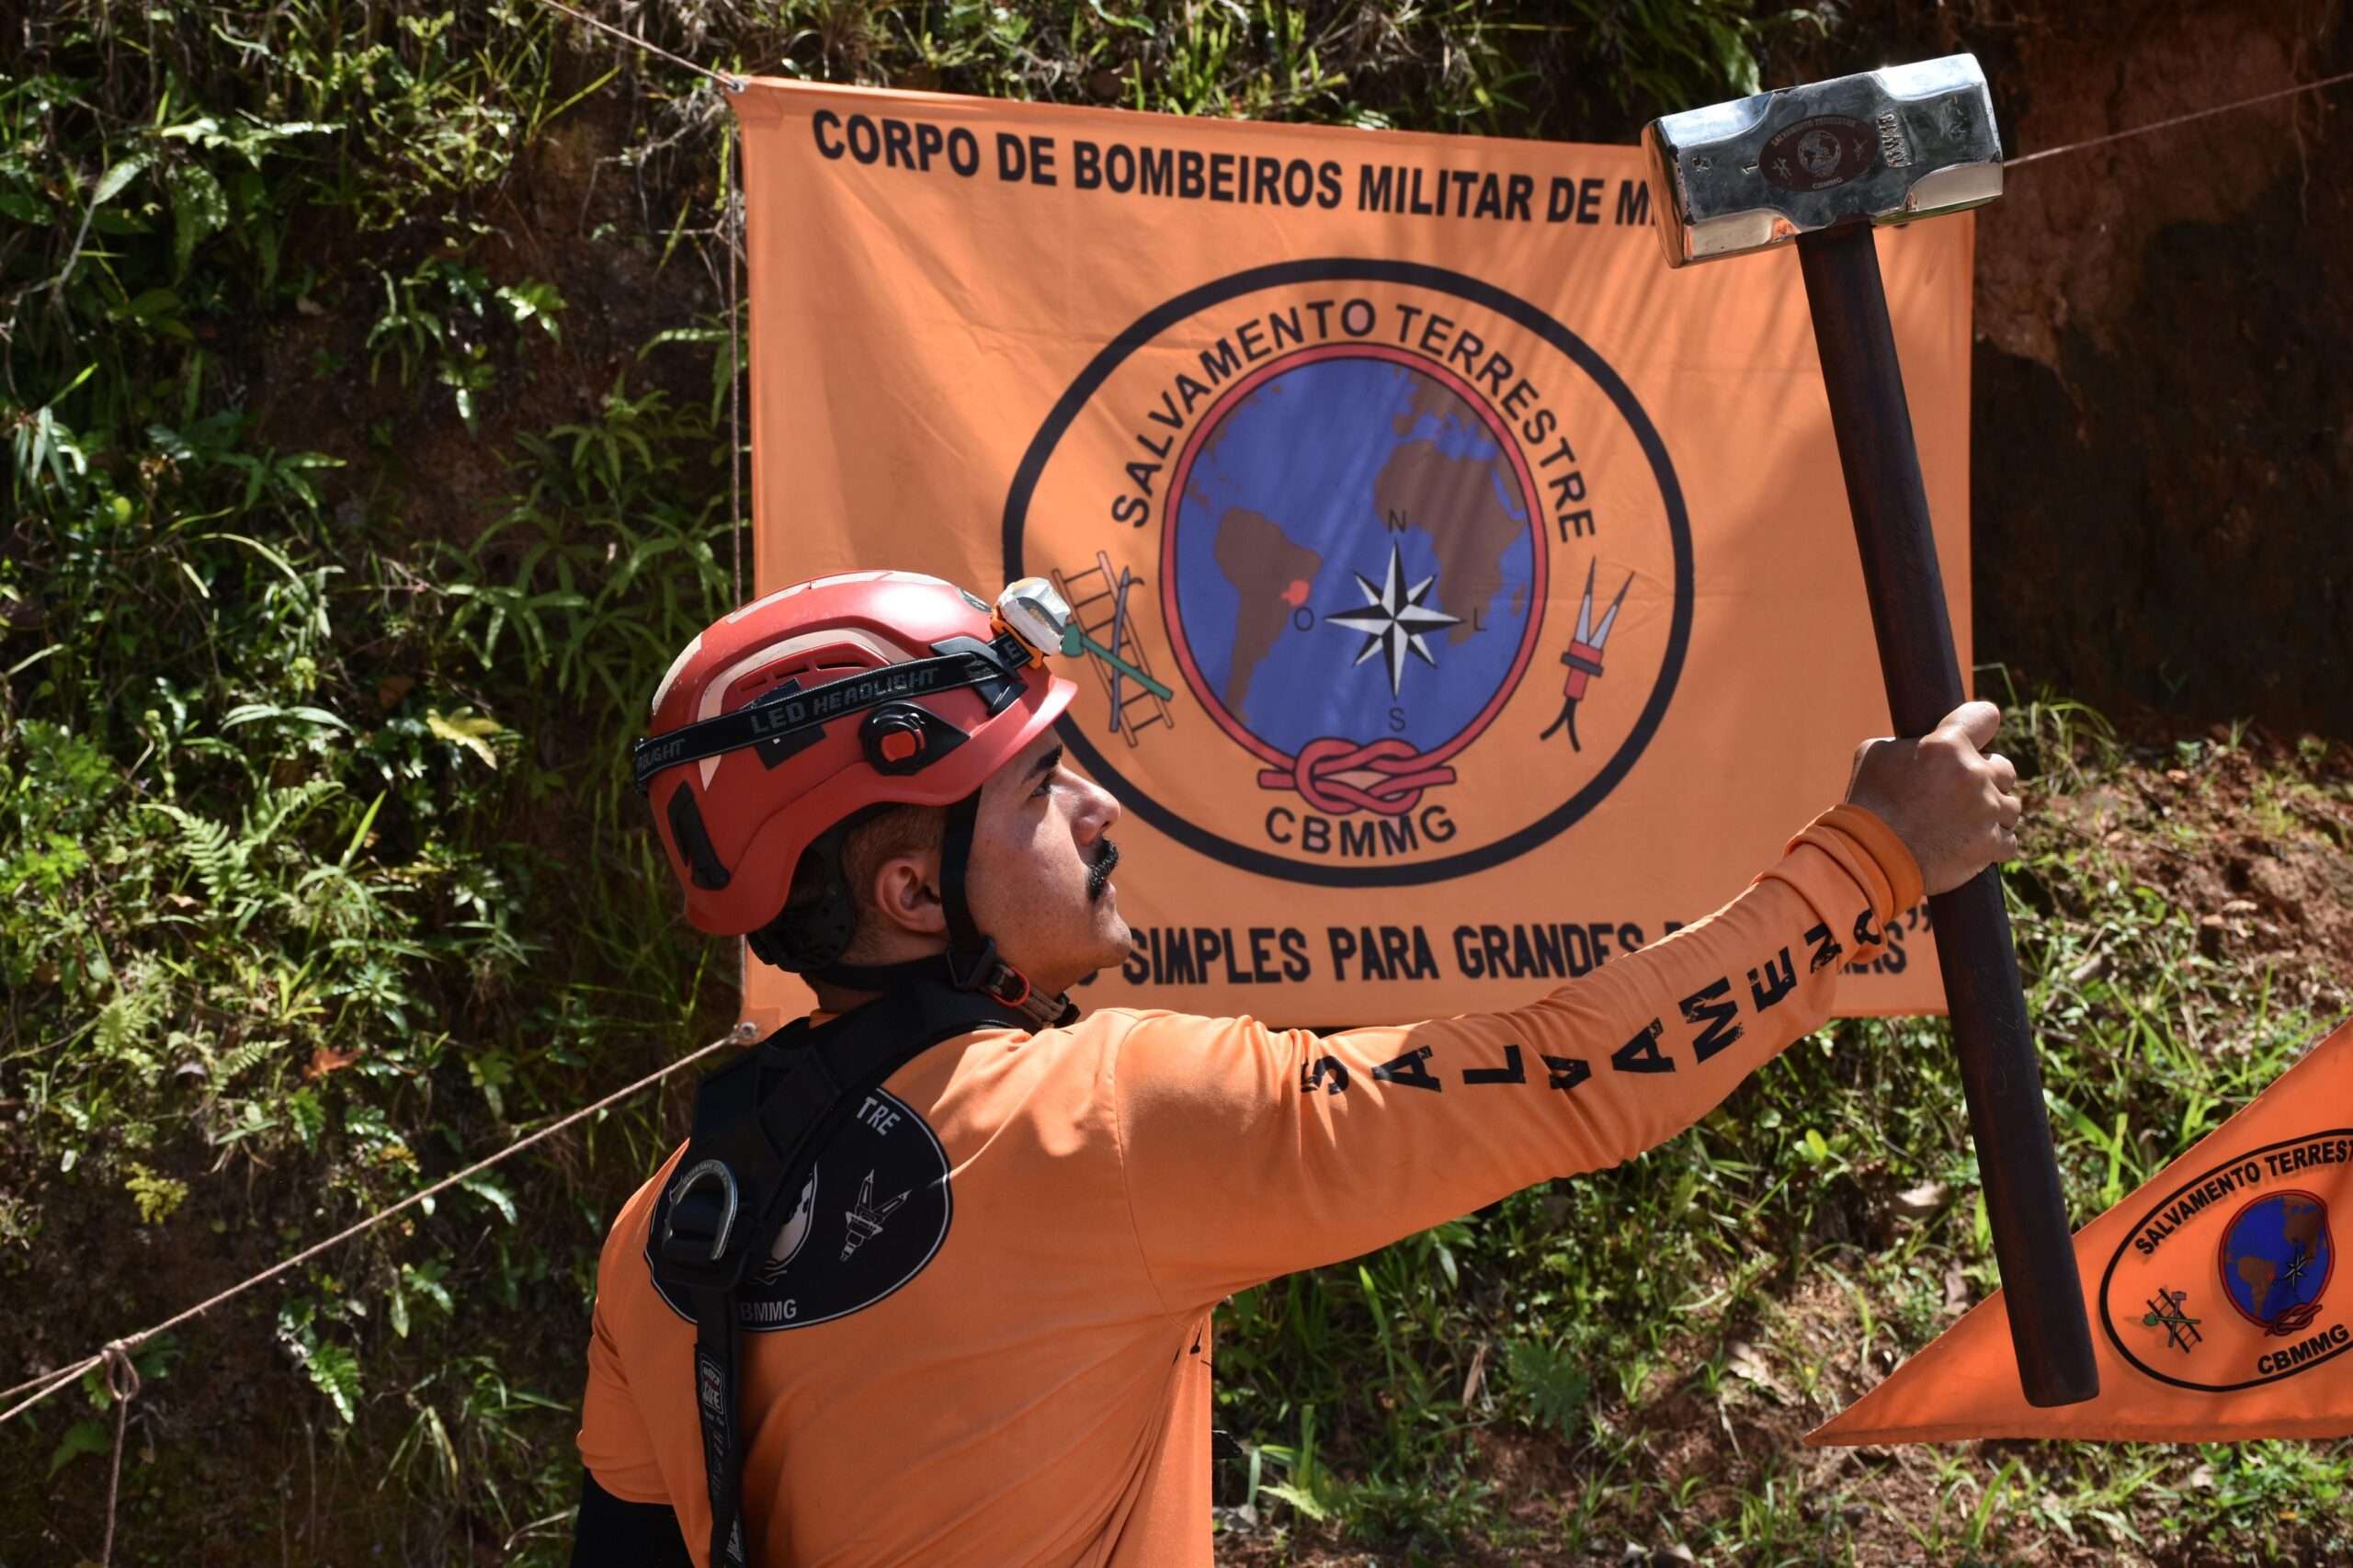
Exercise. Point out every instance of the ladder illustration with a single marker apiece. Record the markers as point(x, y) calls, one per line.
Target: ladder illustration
point(1099, 602)
point(2165, 1311)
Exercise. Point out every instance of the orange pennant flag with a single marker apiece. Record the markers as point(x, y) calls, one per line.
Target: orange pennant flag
point(2216, 1314)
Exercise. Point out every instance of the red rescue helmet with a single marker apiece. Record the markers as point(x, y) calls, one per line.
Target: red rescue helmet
point(824, 701)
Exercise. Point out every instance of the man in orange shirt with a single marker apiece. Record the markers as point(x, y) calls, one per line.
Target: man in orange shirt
point(965, 1317)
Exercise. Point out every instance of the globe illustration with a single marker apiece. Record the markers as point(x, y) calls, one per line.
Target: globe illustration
point(2277, 1257)
point(1349, 558)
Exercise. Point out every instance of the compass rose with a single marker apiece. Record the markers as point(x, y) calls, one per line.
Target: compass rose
point(1394, 618)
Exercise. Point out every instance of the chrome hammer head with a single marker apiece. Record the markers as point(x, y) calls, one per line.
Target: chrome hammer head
point(1882, 147)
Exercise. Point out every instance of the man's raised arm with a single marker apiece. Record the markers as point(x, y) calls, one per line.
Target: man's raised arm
point(1251, 1151)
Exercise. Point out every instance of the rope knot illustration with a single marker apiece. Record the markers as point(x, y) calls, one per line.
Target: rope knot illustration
point(1315, 773)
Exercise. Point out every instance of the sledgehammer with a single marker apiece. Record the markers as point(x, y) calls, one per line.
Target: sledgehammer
point(1823, 165)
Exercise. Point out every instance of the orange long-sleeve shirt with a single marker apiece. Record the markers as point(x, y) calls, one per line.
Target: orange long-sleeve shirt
point(987, 1325)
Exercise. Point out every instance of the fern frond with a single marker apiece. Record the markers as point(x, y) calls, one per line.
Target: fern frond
point(240, 1059)
point(128, 1019)
point(208, 847)
point(334, 1371)
point(279, 808)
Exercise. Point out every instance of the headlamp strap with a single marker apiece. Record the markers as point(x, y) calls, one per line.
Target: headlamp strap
point(972, 964)
point(787, 719)
point(981, 973)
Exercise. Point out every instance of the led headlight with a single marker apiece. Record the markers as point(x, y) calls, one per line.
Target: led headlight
point(1033, 610)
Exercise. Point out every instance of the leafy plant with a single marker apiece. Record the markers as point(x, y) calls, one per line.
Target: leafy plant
point(157, 1196)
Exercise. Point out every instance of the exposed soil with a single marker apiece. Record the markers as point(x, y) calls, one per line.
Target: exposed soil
point(2257, 847)
point(2164, 400)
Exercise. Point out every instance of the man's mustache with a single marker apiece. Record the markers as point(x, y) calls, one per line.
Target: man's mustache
point(1098, 876)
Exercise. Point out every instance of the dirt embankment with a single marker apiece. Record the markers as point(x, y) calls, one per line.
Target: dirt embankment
point(2163, 401)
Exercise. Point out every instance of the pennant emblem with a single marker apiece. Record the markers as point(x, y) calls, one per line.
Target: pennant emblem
point(2218, 1316)
point(2261, 1238)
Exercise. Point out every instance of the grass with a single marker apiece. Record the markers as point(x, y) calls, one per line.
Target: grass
point(363, 373)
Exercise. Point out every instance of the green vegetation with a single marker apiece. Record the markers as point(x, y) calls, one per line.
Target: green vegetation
point(335, 572)
point(364, 375)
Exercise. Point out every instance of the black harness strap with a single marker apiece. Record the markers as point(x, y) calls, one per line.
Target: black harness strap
point(955, 866)
point(760, 1125)
point(981, 971)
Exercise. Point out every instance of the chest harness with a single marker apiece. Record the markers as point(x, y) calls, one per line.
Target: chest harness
point(760, 1124)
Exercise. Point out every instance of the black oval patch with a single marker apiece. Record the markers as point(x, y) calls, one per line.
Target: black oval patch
point(870, 1216)
point(1815, 154)
point(2222, 1283)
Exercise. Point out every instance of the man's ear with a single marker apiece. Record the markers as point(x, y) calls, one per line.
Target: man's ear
point(906, 894)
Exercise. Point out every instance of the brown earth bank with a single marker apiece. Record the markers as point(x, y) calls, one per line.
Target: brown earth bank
point(2163, 398)
point(2164, 402)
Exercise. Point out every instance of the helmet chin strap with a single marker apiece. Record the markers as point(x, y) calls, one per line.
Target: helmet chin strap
point(955, 859)
point(970, 960)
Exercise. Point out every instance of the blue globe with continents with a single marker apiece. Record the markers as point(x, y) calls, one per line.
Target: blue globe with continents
point(1350, 564)
point(2277, 1257)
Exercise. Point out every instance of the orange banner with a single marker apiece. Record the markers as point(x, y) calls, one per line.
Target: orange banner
point(1475, 597)
point(2213, 1314)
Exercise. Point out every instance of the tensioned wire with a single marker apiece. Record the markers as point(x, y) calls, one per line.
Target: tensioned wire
point(115, 1354)
point(737, 84)
point(2169, 124)
point(732, 83)
point(50, 1382)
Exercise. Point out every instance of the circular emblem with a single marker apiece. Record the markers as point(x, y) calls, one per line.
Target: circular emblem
point(869, 1219)
point(1384, 574)
point(2277, 1256)
point(2223, 1284)
point(1818, 153)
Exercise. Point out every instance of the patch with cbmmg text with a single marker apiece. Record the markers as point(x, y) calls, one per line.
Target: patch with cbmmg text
point(1325, 543)
point(2225, 1282)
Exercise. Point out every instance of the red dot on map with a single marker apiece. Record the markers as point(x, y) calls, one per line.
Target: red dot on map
point(1296, 595)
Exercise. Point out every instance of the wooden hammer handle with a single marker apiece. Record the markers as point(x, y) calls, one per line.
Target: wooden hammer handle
point(2027, 1212)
